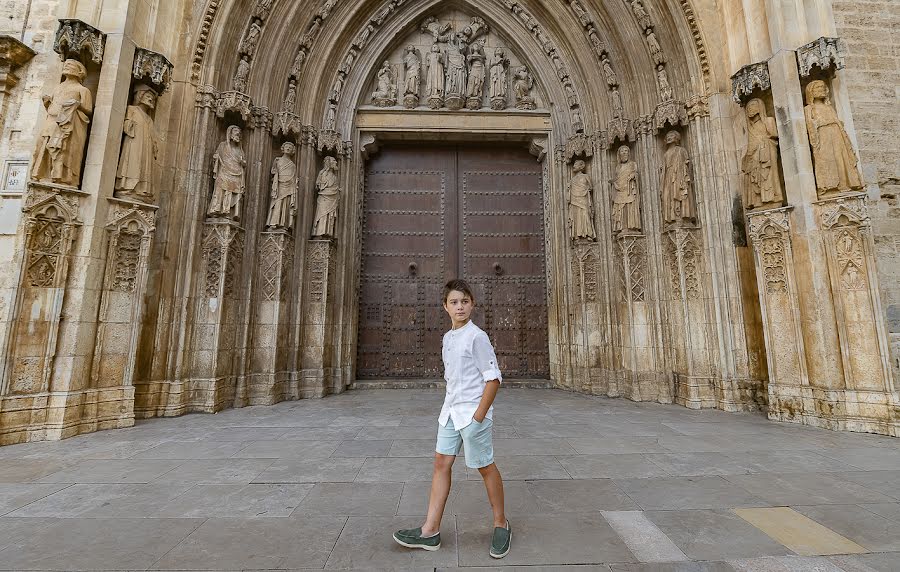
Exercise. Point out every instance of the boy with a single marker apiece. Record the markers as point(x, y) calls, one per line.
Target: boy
point(470, 368)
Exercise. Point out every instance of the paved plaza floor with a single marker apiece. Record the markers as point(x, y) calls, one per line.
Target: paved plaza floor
point(599, 484)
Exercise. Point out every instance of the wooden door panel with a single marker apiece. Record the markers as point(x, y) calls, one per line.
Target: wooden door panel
point(435, 213)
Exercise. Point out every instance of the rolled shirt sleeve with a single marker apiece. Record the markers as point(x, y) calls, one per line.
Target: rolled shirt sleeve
point(485, 358)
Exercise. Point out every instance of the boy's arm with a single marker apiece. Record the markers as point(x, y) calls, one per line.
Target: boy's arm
point(490, 392)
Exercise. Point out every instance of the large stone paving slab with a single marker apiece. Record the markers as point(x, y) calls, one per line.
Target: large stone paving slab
point(323, 483)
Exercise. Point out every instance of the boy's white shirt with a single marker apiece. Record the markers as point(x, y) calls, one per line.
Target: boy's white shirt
point(469, 363)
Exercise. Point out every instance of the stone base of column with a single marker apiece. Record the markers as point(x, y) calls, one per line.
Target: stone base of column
point(51, 416)
point(736, 395)
point(695, 392)
point(840, 410)
point(267, 388)
point(160, 399)
point(211, 395)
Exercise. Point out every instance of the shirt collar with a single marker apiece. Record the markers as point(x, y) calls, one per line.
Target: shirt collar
point(468, 325)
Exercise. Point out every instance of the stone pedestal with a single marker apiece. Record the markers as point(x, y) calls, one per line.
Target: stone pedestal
point(213, 379)
point(694, 381)
point(586, 336)
point(270, 359)
point(317, 351)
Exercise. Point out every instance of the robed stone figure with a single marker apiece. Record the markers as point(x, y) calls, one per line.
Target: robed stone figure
point(456, 71)
point(626, 212)
point(499, 86)
point(284, 185)
point(329, 195)
point(581, 207)
point(228, 173)
point(762, 183)
point(60, 149)
point(834, 161)
point(477, 75)
point(140, 148)
point(677, 191)
point(434, 78)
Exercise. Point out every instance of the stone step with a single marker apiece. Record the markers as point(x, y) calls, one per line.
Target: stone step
point(441, 384)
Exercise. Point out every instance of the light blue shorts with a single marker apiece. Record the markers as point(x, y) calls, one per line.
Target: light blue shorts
point(477, 437)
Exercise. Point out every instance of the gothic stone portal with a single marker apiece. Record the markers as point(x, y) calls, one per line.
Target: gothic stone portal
point(435, 213)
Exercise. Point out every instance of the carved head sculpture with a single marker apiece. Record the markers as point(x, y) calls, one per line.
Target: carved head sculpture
point(288, 148)
point(579, 166)
point(756, 108)
point(673, 138)
point(75, 69)
point(233, 134)
point(817, 90)
point(410, 49)
point(144, 95)
point(624, 154)
point(499, 53)
point(435, 48)
point(331, 163)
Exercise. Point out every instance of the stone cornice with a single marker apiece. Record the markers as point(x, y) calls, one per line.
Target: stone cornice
point(14, 53)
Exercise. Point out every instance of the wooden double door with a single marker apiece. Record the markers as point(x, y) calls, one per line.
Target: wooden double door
point(433, 213)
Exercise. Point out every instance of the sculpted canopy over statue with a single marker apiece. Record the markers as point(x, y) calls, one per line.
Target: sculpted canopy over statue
point(60, 149)
point(434, 80)
point(228, 174)
point(581, 206)
point(522, 86)
point(833, 157)
point(761, 166)
point(284, 185)
point(413, 65)
point(327, 199)
point(475, 88)
point(626, 197)
point(386, 93)
point(677, 188)
point(139, 148)
point(499, 80)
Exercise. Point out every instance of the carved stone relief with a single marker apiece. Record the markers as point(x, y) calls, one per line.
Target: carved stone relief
point(385, 95)
point(229, 184)
point(140, 148)
point(761, 165)
point(632, 253)
point(327, 200)
point(581, 204)
point(60, 149)
point(682, 249)
point(834, 159)
point(223, 246)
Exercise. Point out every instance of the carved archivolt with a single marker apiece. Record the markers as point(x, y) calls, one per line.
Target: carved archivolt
point(203, 38)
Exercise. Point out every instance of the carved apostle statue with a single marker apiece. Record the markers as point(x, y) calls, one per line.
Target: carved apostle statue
point(581, 205)
point(522, 86)
point(477, 75)
point(834, 161)
point(284, 186)
point(761, 165)
point(239, 82)
point(499, 80)
point(385, 94)
point(139, 148)
point(228, 175)
point(626, 212)
point(329, 195)
point(290, 99)
point(251, 40)
point(60, 150)
point(677, 185)
point(434, 79)
point(413, 65)
point(456, 72)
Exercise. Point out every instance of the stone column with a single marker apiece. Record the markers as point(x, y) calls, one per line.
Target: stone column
point(317, 351)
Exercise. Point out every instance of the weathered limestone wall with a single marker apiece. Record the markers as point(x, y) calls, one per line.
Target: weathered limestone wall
point(872, 80)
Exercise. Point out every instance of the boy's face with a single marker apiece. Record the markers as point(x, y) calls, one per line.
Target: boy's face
point(459, 307)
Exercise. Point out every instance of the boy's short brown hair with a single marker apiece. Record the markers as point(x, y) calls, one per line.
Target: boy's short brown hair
point(458, 286)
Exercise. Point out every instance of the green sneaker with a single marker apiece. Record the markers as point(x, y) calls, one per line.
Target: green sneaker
point(412, 538)
point(501, 541)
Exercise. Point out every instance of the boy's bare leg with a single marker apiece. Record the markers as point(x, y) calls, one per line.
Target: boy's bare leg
point(494, 485)
point(440, 490)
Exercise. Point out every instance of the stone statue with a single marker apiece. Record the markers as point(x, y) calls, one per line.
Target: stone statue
point(617, 105)
point(262, 9)
point(641, 14)
point(582, 14)
point(413, 66)
point(833, 157)
point(290, 100)
point(386, 93)
point(665, 88)
point(140, 148)
point(327, 199)
point(239, 83)
point(434, 79)
point(761, 165)
point(608, 72)
point(60, 150)
point(499, 80)
point(655, 49)
point(522, 86)
point(330, 117)
point(477, 75)
point(455, 72)
point(626, 211)
point(299, 60)
point(251, 40)
point(677, 189)
point(228, 172)
point(284, 186)
point(433, 27)
point(581, 206)
point(336, 88)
